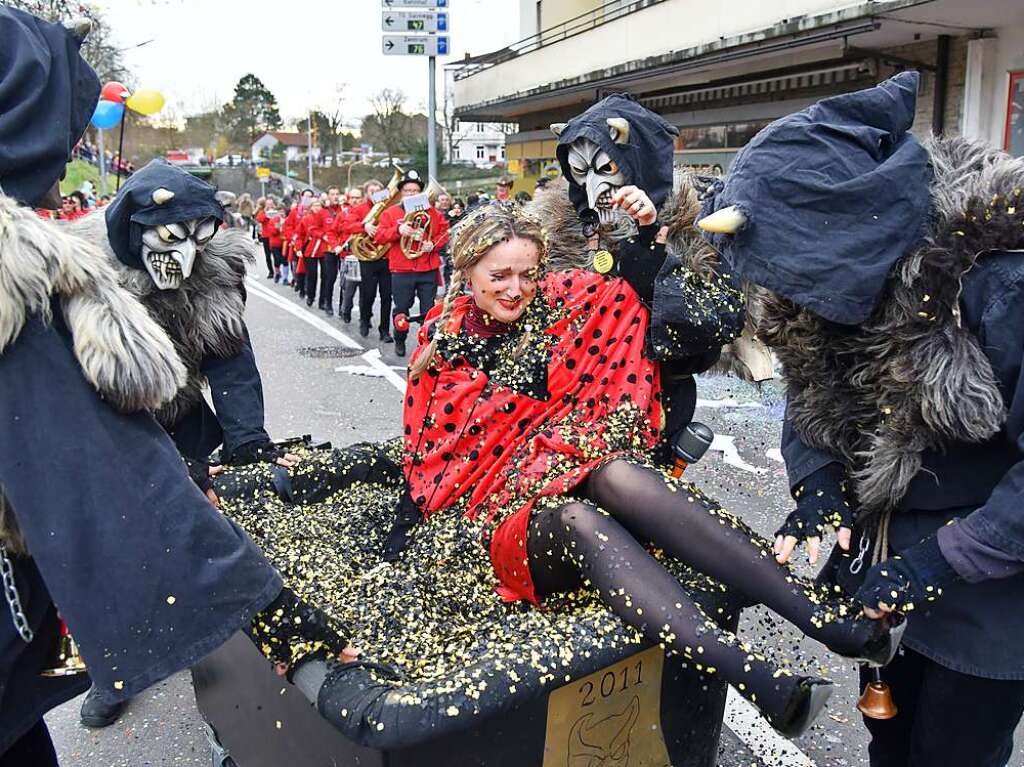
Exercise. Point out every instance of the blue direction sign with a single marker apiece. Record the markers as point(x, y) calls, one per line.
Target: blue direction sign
point(414, 21)
point(415, 45)
point(388, 4)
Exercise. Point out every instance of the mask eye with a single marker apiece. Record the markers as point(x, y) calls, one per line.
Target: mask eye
point(610, 168)
point(165, 234)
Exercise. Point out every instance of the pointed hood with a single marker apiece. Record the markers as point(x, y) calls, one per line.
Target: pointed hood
point(833, 196)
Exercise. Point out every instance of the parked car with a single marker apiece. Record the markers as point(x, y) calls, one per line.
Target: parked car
point(229, 159)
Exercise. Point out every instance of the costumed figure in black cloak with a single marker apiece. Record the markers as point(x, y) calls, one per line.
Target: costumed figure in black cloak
point(892, 291)
point(531, 415)
point(160, 235)
point(97, 512)
point(623, 217)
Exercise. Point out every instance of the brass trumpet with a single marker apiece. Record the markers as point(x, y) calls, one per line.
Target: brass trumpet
point(420, 221)
point(362, 245)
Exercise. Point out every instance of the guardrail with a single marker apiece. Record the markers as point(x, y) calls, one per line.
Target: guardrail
point(607, 12)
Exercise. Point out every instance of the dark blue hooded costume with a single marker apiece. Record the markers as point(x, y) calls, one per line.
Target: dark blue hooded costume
point(226, 362)
point(896, 269)
point(695, 311)
point(147, 574)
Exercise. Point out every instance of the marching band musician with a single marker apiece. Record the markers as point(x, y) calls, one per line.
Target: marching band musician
point(312, 240)
point(418, 276)
point(375, 277)
point(333, 212)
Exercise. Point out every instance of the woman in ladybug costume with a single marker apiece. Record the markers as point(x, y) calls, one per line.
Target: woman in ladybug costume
point(532, 410)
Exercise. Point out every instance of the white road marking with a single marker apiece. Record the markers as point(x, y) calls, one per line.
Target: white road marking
point(726, 445)
point(749, 726)
point(740, 716)
point(774, 454)
point(715, 404)
point(372, 357)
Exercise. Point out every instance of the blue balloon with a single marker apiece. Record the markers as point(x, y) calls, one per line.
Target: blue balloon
point(107, 114)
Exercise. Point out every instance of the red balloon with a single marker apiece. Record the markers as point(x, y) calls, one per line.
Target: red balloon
point(114, 91)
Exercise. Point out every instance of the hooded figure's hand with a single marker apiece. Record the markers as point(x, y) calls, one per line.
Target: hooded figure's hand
point(820, 506)
point(901, 582)
point(636, 204)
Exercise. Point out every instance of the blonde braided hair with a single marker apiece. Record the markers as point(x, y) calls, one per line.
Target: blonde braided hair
point(472, 239)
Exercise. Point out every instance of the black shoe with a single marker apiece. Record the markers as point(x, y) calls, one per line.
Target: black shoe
point(885, 641)
point(385, 337)
point(364, 330)
point(400, 347)
point(98, 713)
point(309, 303)
point(270, 276)
point(346, 318)
point(806, 702)
point(329, 311)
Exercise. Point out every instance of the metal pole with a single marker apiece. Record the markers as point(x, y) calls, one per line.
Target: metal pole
point(309, 148)
point(941, 80)
point(103, 163)
point(120, 151)
point(431, 119)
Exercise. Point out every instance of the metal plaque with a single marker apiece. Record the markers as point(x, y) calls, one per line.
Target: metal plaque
point(611, 718)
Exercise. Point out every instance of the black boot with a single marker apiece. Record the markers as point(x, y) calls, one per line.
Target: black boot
point(400, 347)
point(805, 703)
point(98, 713)
point(364, 330)
point(329, 311)
point(385, 337)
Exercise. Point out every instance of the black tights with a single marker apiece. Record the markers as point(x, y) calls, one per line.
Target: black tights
point(605, 547)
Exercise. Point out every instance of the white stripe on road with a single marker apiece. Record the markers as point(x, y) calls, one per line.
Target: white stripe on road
point(767, 745)
point(372, 357)
point(740, 716)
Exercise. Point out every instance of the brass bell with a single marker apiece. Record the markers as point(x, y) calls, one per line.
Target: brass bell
point(876, 702)
point(69, 660)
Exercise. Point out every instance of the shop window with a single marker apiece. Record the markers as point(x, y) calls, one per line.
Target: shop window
point(1014, 138)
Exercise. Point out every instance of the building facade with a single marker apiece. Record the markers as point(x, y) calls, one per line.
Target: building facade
point(477, 143)
point(721, 72)
point(294, 144)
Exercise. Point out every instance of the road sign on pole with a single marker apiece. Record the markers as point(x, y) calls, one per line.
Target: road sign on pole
point(415, 45)
point(389, 4)
point(414, 21)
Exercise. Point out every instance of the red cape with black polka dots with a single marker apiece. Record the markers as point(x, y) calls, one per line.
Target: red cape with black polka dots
point(471, 433)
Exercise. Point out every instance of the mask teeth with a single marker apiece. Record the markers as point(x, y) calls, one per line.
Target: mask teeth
point(604, 200)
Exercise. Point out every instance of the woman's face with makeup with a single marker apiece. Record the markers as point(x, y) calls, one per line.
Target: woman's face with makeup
point(504, 281)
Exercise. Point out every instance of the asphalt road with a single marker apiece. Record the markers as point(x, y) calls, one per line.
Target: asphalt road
point(300, 355)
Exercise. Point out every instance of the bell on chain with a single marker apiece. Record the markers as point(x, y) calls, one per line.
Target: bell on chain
point(876, 702)
point(68, 661)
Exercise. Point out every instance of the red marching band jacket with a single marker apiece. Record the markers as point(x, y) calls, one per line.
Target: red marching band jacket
point(270, 227)
point(352, 222)
point(289, 229)
point(387, 234)
point(332, 217)
point(311, 237)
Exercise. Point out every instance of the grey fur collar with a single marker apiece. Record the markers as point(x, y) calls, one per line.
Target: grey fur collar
point(911, 378)
point(124, 355)
point(204, 318)
point(568, 248)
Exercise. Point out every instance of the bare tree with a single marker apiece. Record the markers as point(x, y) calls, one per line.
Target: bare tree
point(332, 120)
point(98, 49)
point(390, 120)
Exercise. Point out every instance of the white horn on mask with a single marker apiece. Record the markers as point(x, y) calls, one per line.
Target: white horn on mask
point(557, 128)
point(618, 128)
point(725, 221)
point(79, 28)
point(161, 195)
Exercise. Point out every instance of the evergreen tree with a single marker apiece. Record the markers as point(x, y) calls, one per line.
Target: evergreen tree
point(252, 111)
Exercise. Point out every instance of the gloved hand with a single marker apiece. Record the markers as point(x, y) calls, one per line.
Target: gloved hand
point(821, 506)
point(903, 581)
point(199, 471)
point(289, 630)
point(257, 451)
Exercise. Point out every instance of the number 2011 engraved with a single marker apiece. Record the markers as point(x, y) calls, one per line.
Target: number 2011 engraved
point(610, 682)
